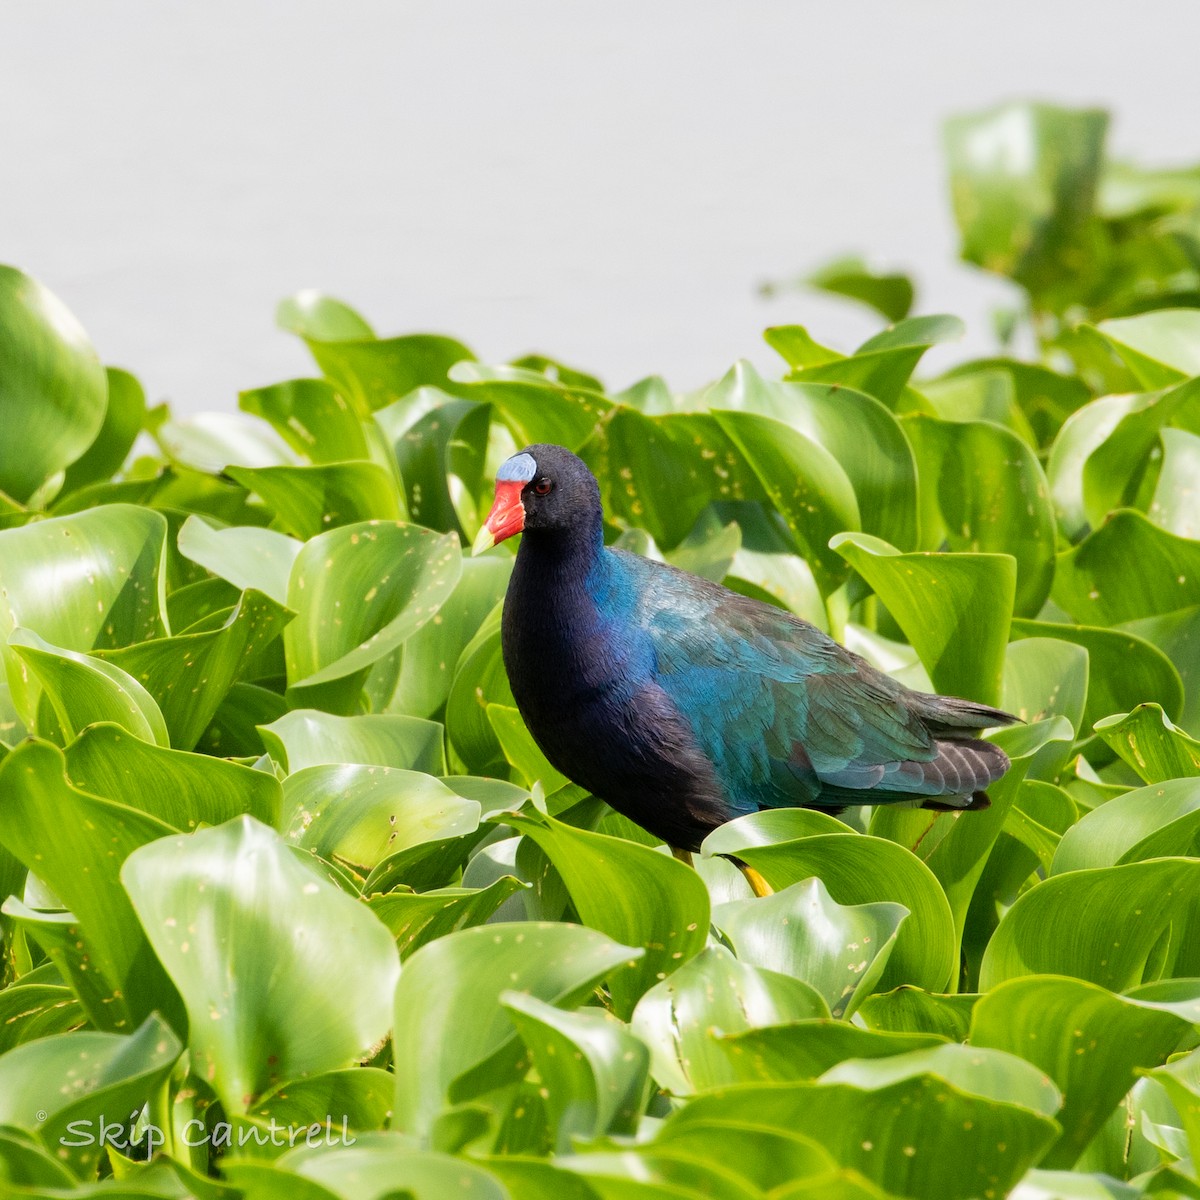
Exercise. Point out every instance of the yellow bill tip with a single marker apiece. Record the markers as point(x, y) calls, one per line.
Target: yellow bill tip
point(484, 541)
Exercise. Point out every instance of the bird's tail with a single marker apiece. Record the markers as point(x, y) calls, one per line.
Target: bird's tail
point(948, 716)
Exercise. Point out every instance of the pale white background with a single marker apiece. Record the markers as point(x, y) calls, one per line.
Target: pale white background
point(603, 181)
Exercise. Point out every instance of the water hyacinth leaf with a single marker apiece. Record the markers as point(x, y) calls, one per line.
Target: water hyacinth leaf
point(468, 971)
point(417, 918)
point(312, 418)
point(124, 415)
point(311, 499)
point(1175, 504)
point(896, 1133)
point(883, 365)
point(1089, 1041)
point(1158, 821)
point(234, 902)
point(645, 1174)
point(371, 374)
point(439, 443)
point(1023, 179)
point(595, 1070)
point(889, 293)
point(1114, 470)
point(312, 314)
point(248, 557)
point(804, 482)
point(427, 659)
point(208, 442)
point(1160, 348)
point(307, 738)
point(840, 950)
point(84, 690)
point(36, 1010)
point(53, 390)
point(1181, 1081)
point(1093, 583)
point(356, 815)
point(371, 1168)
point(993, 497)
point(190, 674)
point(1083, 432)
point(1124, 669)
point(521, 751)
point(1045, 677)
point(61, 1087)
point(862, 870)
point(359, 591)
point(115, 557)
point(960, 637)
point(1147, 740)
point(1100, 924)
point(185, 790)
point(636, 895)
point(76, 843)
point(534, 408)
point(713, 991)
point(910, 1010)
point(807, 1049)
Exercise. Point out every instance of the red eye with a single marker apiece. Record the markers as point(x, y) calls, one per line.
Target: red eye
point(543, 487)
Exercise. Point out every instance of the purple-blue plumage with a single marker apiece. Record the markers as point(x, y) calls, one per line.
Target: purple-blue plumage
point(684, 704)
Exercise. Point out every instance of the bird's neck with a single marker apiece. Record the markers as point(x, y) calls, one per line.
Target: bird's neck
point(563, 560)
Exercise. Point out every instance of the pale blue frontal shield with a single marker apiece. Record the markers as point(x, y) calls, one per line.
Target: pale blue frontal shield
point(521, 468)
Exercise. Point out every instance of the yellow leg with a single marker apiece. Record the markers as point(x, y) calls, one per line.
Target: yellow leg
point(758, 885)
point(684, 856)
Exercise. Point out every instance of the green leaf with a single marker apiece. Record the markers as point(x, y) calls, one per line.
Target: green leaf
point(312, 418)
point(312, 314)
point(993, 497)
point(855, 870)
point(807, 1049)
point(359, 591)
point(309, 500)
point(636, 895)
point(521, 751)
point(62, 1087)
point(190, 674)
point(713, 991)
point(1094, 584)
point(84, 690)
point(1175, 505)
point(114, 555)
point(306, 738)
point(1160, 348)
point(883, 365)
point(910, 1010)
point(1124, 669)
point(917, 1135)
point(595, 1070)
point(247, 557)
point(232, 903)
point(184, 790)
point(804, 482)
point(371, 374)
point(436, 1052)
point(355, 815)
point(961, 634)
point(1101, 925)
point(1089, 1042)
point(417, 918)
point(889, 294)
point(36, 1010)
point(1150, 744)
point(53, 391)
point(1151, 822)
point(840, 950)
point(124, 417)
point(1023, 179)
point(76, 844)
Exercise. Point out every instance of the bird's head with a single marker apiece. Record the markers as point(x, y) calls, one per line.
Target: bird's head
point(544, 488)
